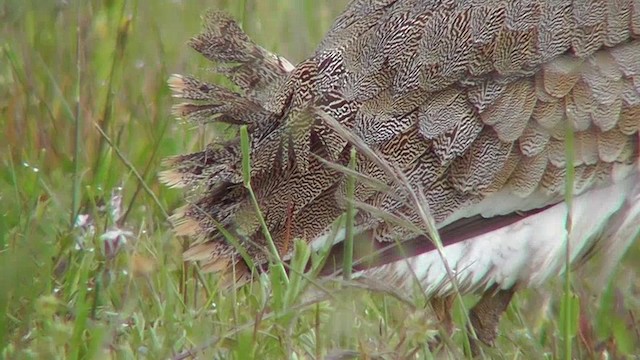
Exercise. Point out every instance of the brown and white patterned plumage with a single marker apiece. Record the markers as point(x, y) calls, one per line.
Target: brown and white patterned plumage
point(473, 101)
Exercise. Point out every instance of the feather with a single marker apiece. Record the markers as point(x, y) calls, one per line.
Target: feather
point(465, 104)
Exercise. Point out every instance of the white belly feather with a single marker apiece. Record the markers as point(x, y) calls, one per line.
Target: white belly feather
point(532, 250)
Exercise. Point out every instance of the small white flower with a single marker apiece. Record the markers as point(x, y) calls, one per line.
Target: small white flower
point(82, 220)
point(113, 240)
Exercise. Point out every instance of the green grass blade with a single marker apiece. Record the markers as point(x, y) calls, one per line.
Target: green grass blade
point(82, 307)
point(107, 111)
point(135, 172)
point(301, 255)
point(245, 147)
point(246, 172)
point(75, 186)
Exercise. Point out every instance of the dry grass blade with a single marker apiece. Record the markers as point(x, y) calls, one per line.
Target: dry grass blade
point(417, 198)
point(135, 172)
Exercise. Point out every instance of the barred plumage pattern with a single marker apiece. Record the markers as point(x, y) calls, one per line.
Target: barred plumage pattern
point(471, 99)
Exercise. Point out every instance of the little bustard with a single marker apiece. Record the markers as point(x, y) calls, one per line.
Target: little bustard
point(466, 107)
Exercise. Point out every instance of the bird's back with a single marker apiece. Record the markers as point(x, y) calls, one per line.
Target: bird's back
point(471, 104)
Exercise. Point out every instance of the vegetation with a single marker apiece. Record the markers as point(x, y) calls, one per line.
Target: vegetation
point(89, 266)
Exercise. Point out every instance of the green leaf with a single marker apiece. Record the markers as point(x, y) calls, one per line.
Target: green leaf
point(569, 315)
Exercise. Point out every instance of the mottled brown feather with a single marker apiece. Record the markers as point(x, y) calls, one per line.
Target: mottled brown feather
point(467, 99)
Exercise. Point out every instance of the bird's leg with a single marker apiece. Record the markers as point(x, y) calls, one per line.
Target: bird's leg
point(442, 308)
point(485, 317)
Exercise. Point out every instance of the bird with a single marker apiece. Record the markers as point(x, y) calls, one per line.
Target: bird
point(490, 145)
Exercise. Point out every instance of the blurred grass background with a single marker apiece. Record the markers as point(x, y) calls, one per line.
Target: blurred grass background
point(69, 67)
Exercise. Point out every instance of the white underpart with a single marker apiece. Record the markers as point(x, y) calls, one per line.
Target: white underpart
point(532, 250)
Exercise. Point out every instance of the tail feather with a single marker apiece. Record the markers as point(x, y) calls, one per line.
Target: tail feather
point(282, 114)
point(255, 69)
point(209, 102)
point(202, 168)
point(219, 258)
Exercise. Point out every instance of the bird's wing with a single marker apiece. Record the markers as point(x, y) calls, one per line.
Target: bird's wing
point(474, 100)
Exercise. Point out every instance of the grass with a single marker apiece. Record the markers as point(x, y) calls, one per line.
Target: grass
point(85, 113)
